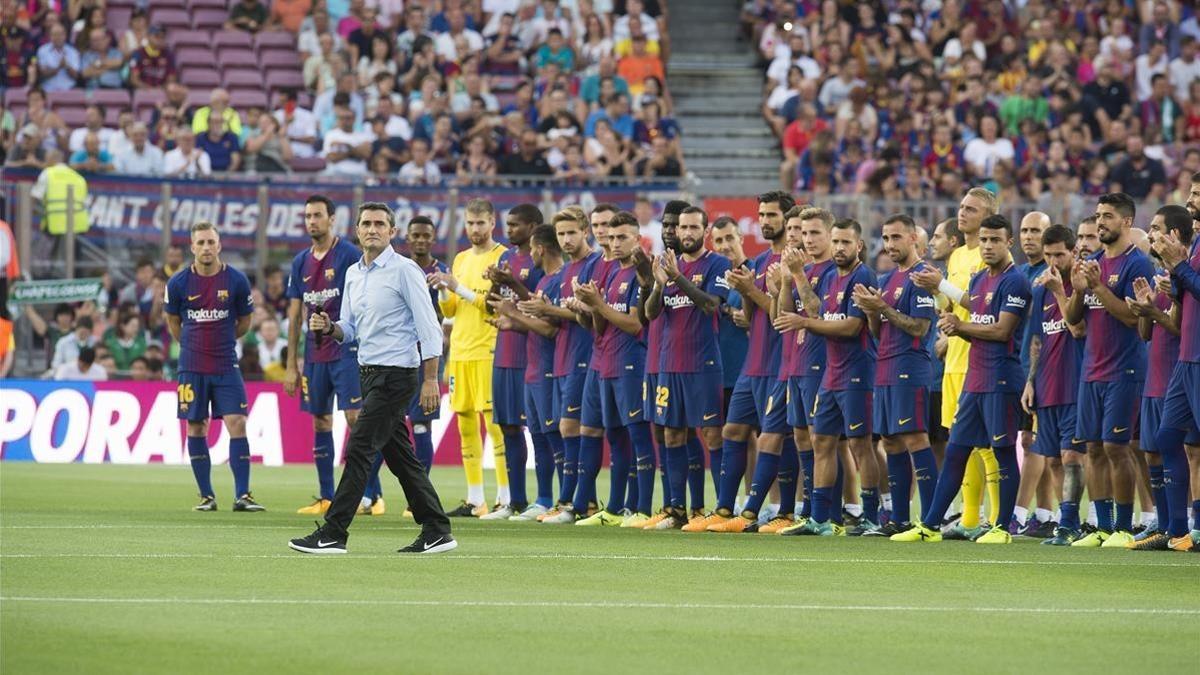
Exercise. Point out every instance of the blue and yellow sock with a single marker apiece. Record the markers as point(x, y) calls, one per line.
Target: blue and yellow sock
point(323, 458)
point(1068, 515)
point(239, 463)
point(926, 474)
point(789, 464)
point(870, 503)
point(1010, 483)
point(954, 466)
point(1104, 514)
point(695, 472)
point(570, 468)
point(631, 486)
point(197, 447)
point(543, 469)
point(1176, 478)
point(900, 473)
point(422, 438)
point(643, 449)
point(516, 456)
point(807, 461)
point(1124, 519)
point(733, 467)
point(766, 468)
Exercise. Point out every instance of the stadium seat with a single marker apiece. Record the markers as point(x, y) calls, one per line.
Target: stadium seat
point(118, 19)
point(229, 58)
point(209, 18)
point(71, 97)
point(214, 4)
point(14, 97)
point(110, 98)
point(112, 116)
point(198, 98)
point(72, 116)
point(173, 19)
point(145, 100)
point(279, 59)
point(284, 79)
point(275, 39)
point(241, 99)
point(189, 38)
point(224, 39)
point(200, 77)
point(242, 79)
point(194, 56)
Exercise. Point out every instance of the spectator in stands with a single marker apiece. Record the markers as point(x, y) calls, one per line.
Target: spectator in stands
point(139, 369)
point(186, 160)
point(1029, 104)
point(270, 344)
point(1106, 98)
point(635, 9)
point(376, 61)
point(528, 161)
point(456, 27)
point(267, 150)
point(325, 105)
point(170, 122)
point(140, 158)
point(420, 170)
point(639, 65)
point(1139, 176)
point(18, 51)
point(153, 65)
point(127, 342)
point(594, 45)
point(659, 161)
point(1160, 113)
point(299, 124)
point(66, 350)
point(308, 43)
point(1184, 69)
point(556, 50)
point(393, 150)
point(28, 151)
point(396, 124)
point(345, 150)
point(414, 27)
point(476, 166)
point(1161, 30)
point(358, 42)
point(1146, 66)
point(1061, 201)
point(93, 123)
point(616, 113)
point(223, 147)
point(504, 55)
point(590, 90)
point(58, 61)
point(140, 292)
point(275, 290)
point(91, 157)
point(247, 15)
point(289, 14)
point(81, 368)
point(102, 63)
point(218, 106)
point(983, 153)
point(50, 333)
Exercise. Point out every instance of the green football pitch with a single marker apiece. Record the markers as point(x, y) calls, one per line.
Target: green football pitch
point(106, 569)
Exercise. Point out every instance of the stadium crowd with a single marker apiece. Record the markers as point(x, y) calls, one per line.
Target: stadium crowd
point(423, 91)
point(1048, 102)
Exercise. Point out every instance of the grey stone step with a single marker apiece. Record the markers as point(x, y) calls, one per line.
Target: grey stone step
point(720, 166)
point(710, 60)
point(766, 154)
point(736, 187)
point(724, 109)
point(748, 133)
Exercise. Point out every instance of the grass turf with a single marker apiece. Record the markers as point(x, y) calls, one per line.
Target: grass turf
point(105, 569)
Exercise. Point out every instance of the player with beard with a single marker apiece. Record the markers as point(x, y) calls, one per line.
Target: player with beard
point(901, 317)
point(1087, 238)
point(687, 295)
point(1114, 363)
point(946, 238)
point(759, 398)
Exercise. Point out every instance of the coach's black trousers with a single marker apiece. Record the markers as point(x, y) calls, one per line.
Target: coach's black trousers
point(387, 392)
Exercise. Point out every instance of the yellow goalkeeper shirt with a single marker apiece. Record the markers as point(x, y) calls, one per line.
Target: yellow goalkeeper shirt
point(472, 338)
point(963, 264)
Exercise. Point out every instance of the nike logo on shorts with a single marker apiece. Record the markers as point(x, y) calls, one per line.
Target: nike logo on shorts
point(905, 421)
point(635, 413)
point(1117, 430)
point(572, 408)
point(709, 417)
point(999, 438)
point(855, 426)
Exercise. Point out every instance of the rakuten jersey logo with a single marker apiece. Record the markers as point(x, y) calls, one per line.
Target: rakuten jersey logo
point(320, 297)
point(982, 319)
point(207, 315)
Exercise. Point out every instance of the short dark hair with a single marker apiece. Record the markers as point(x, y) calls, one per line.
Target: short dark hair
point(724, 221)
point(1196, 177)
point(321, 199)
point(997, 222)
point(1059, 234)
point(421, 220)
point(84, 322)
point(950, 229)
point(1178, 220)
point(785, 200)
point(87, 355)
point(1121, 202)
point(845, 224)
point(623, 218)
point(696, 209)
point(376, 206)
point(145, 361)
point(675, 207)
point(527, 213)
point(547, 238)
point(63, 308)
point(604, 207)
point(902, 218)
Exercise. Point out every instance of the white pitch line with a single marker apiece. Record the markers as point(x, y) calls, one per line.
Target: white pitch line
point(596, 605)
point(601, 556)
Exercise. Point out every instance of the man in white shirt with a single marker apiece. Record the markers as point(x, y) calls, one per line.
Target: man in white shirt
point(300, 125)
point(142, 158)
point(58, 62)
point(93, 121)
point(966, 41)
point(795, 54)
point(985, 151)
point(1185, 69)
point(458, 27)
point(420, 171)
point(186, 160)
point(345, 150)
point(66, 350)
point(83, 369)
point(397, 126)
point(635, 8)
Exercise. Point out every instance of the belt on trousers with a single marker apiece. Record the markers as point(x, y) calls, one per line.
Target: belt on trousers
point(368, 370)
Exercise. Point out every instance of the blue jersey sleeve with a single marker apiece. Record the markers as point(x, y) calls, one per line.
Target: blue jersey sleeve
point(863, 276)
point(1033, 325)
point(295, 287)
point(922, 304)
point(173, 302)
point(715, 282)
point(1139, 266)
point(1016, 294)
point(243, 303)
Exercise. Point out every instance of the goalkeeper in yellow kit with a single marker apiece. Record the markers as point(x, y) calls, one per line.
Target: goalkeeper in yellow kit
point(472, 343)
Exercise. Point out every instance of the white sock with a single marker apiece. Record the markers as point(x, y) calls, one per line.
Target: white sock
point(855, 510)
point(1091, 519)
point(949, 512)
point(772, 510)
point(1057, 515)
point(799, 507)
point(738, 504)
point(1148, 517)
point(503, 496)
point(887, 501)
point(1043, 515)
point(475, 495)
point(1022, 515)
point(365, 502)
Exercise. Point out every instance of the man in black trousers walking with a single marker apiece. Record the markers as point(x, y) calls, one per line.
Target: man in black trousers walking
point(386, 308)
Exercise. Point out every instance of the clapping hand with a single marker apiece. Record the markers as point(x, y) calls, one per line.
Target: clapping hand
point(949, 324)
point(1169, 249)
point(868, 299)
point(929, 279)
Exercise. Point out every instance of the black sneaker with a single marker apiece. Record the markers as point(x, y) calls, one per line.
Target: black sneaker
point(464, 510)
point(849, 520)
point(319, 543)
point(888, 530)
point(429, 543)
point(1044, 530)
point(246, 503)
point(206, 504)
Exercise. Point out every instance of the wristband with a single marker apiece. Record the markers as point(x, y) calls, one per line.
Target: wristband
point(950, 290)
point(465, 293)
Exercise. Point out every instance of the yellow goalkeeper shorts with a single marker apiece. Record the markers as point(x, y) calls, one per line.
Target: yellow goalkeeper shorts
point(470, 385)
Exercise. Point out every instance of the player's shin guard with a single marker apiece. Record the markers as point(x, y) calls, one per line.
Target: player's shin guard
point(621, 454)
point(543, 468)
point(422, 438)
point(197, 447)
point(323, 458)
point(953, 468)
point(677, 460)
point(591, 453)
point(566, 490)
point(239, 463)
point(789, 464)
point(807, 462)
point(733, 467)
point(926, 473)
point(695, 472)
point(766, 468)
point(1104, 514)
point(1176, 478)
point(517, 455)
point(1009, 483)
point(1159, 490)
point(899, 468)
point(643, 448)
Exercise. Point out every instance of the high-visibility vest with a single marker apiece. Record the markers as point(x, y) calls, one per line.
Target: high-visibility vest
point(58, 178)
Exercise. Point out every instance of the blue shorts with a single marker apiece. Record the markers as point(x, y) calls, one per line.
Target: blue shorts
point(649, 395)
point(987, 420)
point(322, 380)
point(1107, 411)
point(1181, 405)
point(621, 400)
point(415, 412)
point(760, 402)
point(901, 409)
point(843, 413)
point(223, 394)
point(689, 400)
point(508, 396)
point(592, 414)
point(540, 415)
point(802, 395)
point(568, 393)
point(1056, 431)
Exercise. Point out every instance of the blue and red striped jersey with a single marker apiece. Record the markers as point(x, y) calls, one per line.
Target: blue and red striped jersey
point(1113, 351)
point(996, 366)
point(1060, 358)
point(318, 283)
point(904, 359)
point(1163, 354)
point(601, 271)
point(539, 349)
point(510, 344)
point(618, 353)
point(435, 266)
point(850, 361)
point(804, 351)
point(1186, 277)
point(208, 309)
point(763, 358)
point(690, 342)
point(573, 345)
point(654, 338)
